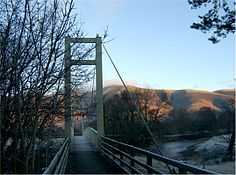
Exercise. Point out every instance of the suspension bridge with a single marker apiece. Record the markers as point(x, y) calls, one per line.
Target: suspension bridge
point(95, 153)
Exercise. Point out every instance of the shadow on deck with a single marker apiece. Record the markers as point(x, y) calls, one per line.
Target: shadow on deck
point(84, 158)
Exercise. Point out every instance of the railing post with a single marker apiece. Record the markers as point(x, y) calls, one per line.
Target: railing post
point(149, 162)
point(121, 155)
point(132, 161)
point(182, 171)
point(121, 158)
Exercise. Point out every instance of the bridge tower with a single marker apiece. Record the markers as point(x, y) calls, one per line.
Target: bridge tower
point(68, 62)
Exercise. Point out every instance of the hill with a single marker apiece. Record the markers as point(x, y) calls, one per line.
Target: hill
point(229, 92)
point(190, 100)
point(193, 100)
point(177, 111)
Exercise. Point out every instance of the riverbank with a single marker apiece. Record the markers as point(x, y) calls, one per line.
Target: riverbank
point(208, 152)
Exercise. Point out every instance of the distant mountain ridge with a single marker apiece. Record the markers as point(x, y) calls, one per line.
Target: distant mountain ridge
point(191, 100)
point(174, 111)
point(230, 92)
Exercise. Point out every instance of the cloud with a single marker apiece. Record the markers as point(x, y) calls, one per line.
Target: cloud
point(128, 82)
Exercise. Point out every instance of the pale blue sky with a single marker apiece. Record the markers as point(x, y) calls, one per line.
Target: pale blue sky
point(154, 46)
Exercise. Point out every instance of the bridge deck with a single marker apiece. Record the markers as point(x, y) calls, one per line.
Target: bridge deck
point(84, 158)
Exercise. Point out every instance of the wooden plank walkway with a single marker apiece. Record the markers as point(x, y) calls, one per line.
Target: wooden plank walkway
point(84, 158)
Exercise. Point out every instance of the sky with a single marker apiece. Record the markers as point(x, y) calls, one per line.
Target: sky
point(153, 45)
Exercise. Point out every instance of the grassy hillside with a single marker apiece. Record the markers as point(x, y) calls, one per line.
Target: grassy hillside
point(170, 111)
point(190, 100)
point(229, 92)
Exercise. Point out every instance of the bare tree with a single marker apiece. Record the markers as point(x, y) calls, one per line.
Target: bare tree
point(31, 70)
point(150, 103)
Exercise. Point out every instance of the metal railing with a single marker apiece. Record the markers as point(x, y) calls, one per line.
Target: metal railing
point(126, 156)
point(92, 135)
point(58, 163)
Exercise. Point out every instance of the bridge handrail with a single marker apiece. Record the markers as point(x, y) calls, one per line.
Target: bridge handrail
point(131, 158)
point(91, 135)
point(93, 130)
point(59, 161)
point(182, 167)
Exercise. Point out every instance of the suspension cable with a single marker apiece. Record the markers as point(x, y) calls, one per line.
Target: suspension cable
point(141, 115)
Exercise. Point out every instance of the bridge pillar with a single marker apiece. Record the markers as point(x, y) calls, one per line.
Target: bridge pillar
point(99, 88)
point(99, 82)
point(67, 90)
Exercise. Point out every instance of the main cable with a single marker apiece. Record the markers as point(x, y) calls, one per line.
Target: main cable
point(137, 106)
